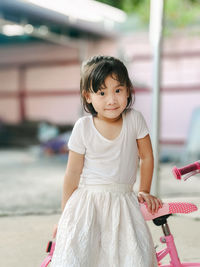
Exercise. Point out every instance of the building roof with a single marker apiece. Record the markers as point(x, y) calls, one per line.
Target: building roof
point(30, 20)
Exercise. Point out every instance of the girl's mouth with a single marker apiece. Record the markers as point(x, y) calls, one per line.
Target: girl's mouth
point(110, 109)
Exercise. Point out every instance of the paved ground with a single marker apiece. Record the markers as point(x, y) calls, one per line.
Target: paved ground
point(24, 238)
point(30, 195)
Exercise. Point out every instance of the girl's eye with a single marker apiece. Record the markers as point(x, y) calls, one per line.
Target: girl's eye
point(102, 93)
point(118, 90)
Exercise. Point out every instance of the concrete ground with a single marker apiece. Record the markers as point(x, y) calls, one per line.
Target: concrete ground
point(30, 196)
point(24, 238)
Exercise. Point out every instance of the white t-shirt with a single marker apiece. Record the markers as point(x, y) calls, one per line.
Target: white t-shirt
point(109, 161)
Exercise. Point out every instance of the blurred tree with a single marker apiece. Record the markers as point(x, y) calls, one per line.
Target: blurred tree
point(178, 13)
point(126, 5)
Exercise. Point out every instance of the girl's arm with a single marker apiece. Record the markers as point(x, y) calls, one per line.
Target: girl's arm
point(72, 175)
point(146, 173)
point(71, 179)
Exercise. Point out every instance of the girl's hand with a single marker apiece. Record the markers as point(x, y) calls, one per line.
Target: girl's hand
point(55, 230)
point(153, 203)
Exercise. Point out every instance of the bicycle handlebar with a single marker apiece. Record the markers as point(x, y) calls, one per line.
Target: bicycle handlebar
point(178, 172)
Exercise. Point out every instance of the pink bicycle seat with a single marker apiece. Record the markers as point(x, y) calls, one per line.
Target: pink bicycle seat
point(168, 208)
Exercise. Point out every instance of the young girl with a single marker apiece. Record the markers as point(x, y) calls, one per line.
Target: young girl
point(101, 224)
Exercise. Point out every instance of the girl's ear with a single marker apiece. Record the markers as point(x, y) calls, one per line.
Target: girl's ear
point(128, 92)
point(87, 97)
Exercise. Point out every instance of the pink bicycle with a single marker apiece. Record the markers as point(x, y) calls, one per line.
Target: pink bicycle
point(167, 210)
point(160, 219)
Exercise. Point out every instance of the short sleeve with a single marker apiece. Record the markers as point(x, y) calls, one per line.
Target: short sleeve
point(141, 126)
point(76, 142)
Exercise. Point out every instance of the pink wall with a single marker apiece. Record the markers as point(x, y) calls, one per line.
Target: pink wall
point(58, 109)
point(49, 77)
point(180, 93)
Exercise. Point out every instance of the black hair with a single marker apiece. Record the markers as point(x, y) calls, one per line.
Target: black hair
point(93, 74)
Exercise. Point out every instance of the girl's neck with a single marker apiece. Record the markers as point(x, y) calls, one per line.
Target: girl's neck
point(109, 129)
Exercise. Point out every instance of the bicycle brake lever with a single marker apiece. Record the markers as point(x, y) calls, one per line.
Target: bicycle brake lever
point(190, 174)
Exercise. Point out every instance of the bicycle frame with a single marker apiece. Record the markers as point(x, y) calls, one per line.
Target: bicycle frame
point(171, 250)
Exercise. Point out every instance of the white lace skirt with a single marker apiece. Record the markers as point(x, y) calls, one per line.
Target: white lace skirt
point(102, 226)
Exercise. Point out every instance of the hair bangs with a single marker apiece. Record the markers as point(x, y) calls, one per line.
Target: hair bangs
point(100, 73)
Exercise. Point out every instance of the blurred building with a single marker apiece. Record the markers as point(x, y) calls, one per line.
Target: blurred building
point(41, 52)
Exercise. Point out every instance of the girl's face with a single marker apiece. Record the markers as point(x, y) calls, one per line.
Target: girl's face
point(110, 101)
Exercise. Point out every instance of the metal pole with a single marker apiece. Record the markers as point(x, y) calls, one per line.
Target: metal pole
point(156, 30)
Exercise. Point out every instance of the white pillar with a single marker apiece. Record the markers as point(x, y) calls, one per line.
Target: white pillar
point(155, 32)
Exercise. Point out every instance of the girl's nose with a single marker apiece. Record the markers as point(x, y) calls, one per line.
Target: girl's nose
point(111, 99)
